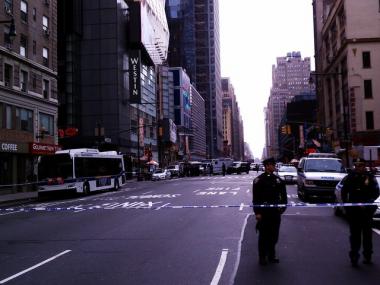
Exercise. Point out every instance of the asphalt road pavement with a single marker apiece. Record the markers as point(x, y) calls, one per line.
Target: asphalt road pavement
point(197, 230)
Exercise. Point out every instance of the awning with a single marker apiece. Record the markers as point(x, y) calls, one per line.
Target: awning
point(152, 162)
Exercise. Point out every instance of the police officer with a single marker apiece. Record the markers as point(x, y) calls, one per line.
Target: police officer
point(360, 186)
point(268, 189)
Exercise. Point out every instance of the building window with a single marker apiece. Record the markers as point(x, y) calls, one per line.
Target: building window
point(24, 11)
point(45, 23)
point(8, 117)
point(45, 90)
point(7, 39)
point(24, 80)
point(369, 120)
point(34, 14)
point(368, 89)
point(24, 119)
point(34, 47)
point(8, 72)
point(366, 59)
point(47, 124)
point(23, 46)
point(45, 56)
point(8, 6)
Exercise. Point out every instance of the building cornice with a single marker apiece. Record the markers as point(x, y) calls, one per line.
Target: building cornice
point(8, 53)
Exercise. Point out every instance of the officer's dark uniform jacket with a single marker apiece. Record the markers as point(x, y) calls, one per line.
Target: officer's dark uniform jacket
point(268, 189)
point(360, 188)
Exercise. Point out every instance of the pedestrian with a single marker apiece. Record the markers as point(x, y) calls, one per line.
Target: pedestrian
point(360, 186)
point(257, 168)
point(211, 169)
point(224, 169)
point(268, 189)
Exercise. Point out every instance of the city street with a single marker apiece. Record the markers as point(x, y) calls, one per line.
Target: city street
point(196, 230)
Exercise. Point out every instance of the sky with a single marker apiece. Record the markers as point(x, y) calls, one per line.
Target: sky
point(253, 33)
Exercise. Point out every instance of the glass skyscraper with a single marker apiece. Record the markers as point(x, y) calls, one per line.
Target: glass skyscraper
point(194, 45)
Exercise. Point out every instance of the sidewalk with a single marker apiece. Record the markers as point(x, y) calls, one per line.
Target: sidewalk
point(29, 195)
point(9, 198)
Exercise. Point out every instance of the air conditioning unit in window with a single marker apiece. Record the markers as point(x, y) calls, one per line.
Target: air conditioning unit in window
point(47, 2)
point(7, 10)
point(46, 32)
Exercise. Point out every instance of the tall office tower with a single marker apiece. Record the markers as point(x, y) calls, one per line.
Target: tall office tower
point(194, 45)
point(347, 52)
point(28, 88)
point(232, 133)
point(198, 137)
point(107, 54)
point(289, 78)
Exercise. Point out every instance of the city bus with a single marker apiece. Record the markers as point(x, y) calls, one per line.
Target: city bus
point(80, 171)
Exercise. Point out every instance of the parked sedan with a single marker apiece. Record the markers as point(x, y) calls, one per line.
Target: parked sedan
point(161, 174)
point(339, 211)
point(288, 173)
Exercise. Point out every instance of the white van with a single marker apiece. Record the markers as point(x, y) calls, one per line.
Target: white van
point(318, 176)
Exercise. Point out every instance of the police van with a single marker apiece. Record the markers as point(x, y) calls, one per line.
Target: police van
point(318, 176)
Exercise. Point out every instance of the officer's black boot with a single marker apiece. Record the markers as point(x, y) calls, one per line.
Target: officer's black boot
point(354, 259)
point(367, 259)
point(263, 260)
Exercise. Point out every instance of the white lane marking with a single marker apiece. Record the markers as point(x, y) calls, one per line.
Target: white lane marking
point(376, 231)
point(34, 267)
point(219, 269)
point(147, 192)
point(12, 213)
point(196, 191)
point(237, 262)
point(241, 206)
point(163, 206)
point(248, 190)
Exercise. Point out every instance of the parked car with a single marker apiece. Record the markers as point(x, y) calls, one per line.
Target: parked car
point(288, 173)
point(318, 177)
point(238, 167)
point(161, 174)
point(339, 211)
point(174, 170)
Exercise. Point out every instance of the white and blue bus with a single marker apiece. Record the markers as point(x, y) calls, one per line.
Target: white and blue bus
point(80, 171)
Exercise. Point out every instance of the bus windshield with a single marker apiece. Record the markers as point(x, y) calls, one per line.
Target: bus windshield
point(59, 165)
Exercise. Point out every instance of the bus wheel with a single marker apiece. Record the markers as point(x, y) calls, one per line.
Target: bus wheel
point(86, 188)
point(116, 184)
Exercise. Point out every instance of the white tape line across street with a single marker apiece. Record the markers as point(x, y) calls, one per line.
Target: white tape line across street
point(151, 207)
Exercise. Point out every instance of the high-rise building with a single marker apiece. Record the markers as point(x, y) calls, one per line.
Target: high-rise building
point(194, 45)
point(233, 136)
point(28, 88)
point(198, 130)
point(346, 52)
point(290, 77)
point(98, 50)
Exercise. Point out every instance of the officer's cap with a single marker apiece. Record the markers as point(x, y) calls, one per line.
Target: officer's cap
point(269, 161)
point(359, 160)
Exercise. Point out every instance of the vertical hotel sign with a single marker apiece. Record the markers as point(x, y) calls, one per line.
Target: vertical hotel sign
point(134, 76)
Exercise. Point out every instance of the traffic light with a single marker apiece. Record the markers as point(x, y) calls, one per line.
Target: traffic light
point(288, 130)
